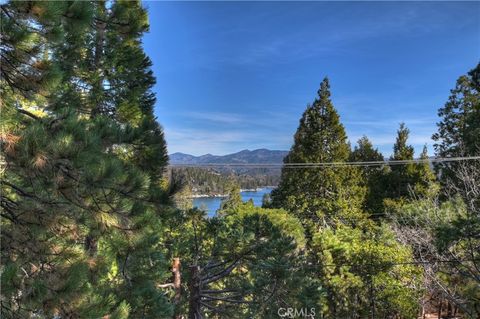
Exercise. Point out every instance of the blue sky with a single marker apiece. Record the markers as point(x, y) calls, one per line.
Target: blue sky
point(238, 75)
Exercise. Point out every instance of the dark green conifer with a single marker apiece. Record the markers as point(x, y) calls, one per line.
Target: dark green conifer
point(320, 194)
point(373, 177)
point(82, 187)
point(408, 180)
point(364, 151)
point(459, 128)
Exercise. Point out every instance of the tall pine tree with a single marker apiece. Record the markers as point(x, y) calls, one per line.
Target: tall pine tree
point(459, 128)
point(82, 188)
point(408, 180)
point(373, 177)
point(319, 195)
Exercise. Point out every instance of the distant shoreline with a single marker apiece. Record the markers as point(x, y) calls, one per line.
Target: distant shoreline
point(226, 195)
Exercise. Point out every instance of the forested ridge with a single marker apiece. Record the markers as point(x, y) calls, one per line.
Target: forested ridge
point(210, 181)
point(94, 226)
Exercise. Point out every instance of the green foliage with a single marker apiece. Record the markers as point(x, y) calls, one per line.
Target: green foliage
point(350, 268)
point(448, 232)
point(89, 227)
point(358, 266)
point(284, 222)
point(233, 200)
point(205, 181)
point(317, 194)
point(364, 151)
point(459, 128)
point(246, 236)
point(82, 199)
point(410, 180)
point(373, 177)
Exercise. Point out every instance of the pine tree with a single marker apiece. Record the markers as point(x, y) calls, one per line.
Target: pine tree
point(82, 187)
point(373, 177)
point(37, 226)
point(348, 257)
point(399, 183)
point(410, 180)
point(318, 195)
point(364, 151)
point(233, 200)
point(358, 277)
point(232, 271)
point(401, 150)
point(459, 129)
point(426, 184)
point(456, 221)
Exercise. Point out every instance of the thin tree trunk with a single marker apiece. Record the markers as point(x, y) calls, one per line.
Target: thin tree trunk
point(194, 311)
point(177, 284)
point(97, 89)
point(91, 245)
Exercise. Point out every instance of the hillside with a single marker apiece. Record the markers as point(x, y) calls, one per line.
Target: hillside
point(215, 180)
point(263, 156)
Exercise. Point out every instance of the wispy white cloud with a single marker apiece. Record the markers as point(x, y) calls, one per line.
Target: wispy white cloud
point(391, 122)
point(231, 49)
point(222, 141)
point(307, 42)
point(231, 132)
point(261, 119)
point(217, 117)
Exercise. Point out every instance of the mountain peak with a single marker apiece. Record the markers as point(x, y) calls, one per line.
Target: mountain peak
point(261, 155)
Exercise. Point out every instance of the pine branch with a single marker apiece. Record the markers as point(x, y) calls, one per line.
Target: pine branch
point(219, 291)
point(229, 300)
point(227, 270)
point(169, 285)
point(28, 114)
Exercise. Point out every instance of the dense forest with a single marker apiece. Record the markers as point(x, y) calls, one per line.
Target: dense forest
point(91, 226)
point(209, 181)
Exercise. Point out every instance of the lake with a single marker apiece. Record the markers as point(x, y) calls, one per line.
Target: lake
point(211, 204)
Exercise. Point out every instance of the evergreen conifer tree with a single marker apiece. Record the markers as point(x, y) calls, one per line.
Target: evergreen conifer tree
point(406, 181)
point(82, 188)
point(459, 129)
point(318, 195)
point(364, 151)
point(233, 271)
point(373, 177)
point(346, 262)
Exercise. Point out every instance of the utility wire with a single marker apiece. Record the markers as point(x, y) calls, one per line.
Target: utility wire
point(333, 164)
point(351, 218)
point(406, 263)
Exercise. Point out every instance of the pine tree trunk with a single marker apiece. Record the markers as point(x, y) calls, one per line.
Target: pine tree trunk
point(100, 27)
point(176, 266)
point(91, 245)
point(194, 306)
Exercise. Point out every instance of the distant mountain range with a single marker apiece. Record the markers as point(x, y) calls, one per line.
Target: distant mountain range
point(262, 155)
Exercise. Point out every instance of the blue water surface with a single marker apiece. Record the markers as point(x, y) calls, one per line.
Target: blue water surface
point(211, 204)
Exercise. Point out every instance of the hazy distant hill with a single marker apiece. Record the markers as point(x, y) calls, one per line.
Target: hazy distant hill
point(246, 156)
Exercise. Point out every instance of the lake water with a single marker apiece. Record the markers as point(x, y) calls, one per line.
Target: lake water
point(211, 204)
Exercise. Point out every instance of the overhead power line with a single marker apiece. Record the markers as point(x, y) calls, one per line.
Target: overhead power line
point(405, 263)
point(332, 164)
